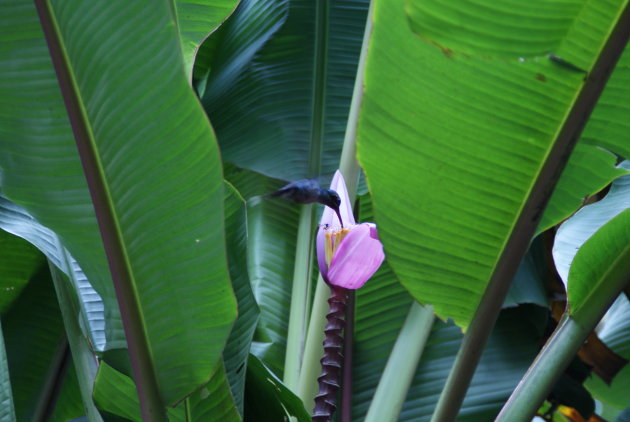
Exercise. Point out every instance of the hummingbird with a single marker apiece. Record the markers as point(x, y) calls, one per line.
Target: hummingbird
point(308, 191)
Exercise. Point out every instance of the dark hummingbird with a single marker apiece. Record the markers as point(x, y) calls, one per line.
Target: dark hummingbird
point(308, 191)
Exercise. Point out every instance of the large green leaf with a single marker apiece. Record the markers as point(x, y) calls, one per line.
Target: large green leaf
point(609, 126)
point(158, 171)
point(452, 144)
point(38, 160)
point(603, 260)
point(279, 98)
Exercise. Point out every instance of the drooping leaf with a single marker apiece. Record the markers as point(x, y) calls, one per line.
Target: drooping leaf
point(237, 348)
point(452, 143)
point(603, 260)
point(103, 333)
point(280, 84)
point(268, 398)
point(196, 20)
point(578, 229)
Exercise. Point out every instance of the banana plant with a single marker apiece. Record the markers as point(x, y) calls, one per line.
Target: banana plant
point(147, 273)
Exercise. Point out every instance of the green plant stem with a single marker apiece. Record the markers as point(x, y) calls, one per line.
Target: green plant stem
point(84, 361)
point(299, 295)
point(564, 343)
point(301, 275)
point(401, 365)
point(348, 164)
point(524, 228)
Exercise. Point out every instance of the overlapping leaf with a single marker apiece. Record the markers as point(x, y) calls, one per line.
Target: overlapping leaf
point(452, 143)
point(586, 222)
point(280, 84)
point(270, 249)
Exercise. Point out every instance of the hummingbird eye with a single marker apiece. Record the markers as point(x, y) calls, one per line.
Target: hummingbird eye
point(335, 197)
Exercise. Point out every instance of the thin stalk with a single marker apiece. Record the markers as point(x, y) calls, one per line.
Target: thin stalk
point(401, 365)
point(298, 318)
point(84, 361)
point(348, 164)
point(151, 406)
point(349, 167)
point(524, 228)
point(299, 294)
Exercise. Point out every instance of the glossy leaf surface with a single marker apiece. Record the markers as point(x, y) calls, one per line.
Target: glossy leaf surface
point(452, 143)
point(167, 209)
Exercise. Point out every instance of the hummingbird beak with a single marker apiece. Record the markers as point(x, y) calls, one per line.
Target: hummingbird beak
point(339, 215)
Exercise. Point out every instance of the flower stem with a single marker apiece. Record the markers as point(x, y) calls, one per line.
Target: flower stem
point(326, 399)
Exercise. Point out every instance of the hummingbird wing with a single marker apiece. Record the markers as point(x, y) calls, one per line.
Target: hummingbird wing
point(303, 191)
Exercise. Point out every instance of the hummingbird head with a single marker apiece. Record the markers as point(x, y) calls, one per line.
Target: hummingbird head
point(330, 198)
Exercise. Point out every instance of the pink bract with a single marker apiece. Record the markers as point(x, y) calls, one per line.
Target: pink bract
point(360, 253)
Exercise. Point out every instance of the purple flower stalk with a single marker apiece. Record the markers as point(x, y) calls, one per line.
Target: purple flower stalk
point(348, 255)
